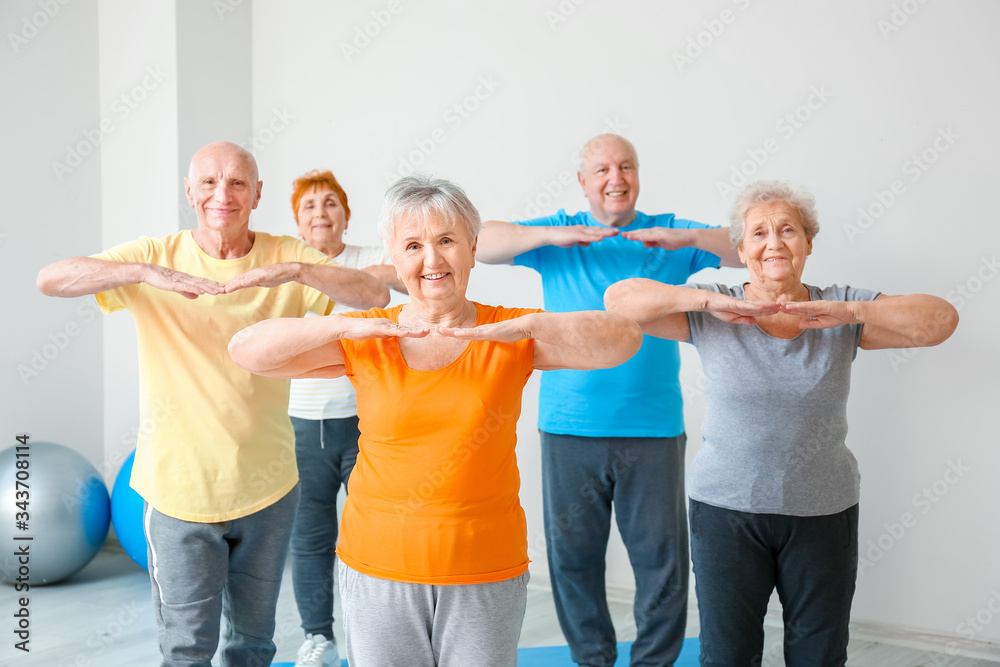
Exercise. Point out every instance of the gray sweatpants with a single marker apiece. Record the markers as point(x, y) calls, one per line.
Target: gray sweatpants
point(201, 571)
point(423, 625)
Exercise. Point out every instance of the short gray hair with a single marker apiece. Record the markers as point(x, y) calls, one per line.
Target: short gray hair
point(421, 196)
point(762, 192)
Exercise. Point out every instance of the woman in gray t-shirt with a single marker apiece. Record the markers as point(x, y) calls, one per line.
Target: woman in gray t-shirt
point(774, 489)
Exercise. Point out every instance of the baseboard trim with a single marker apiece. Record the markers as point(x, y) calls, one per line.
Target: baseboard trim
point(885, 633)
point(951, 645)
point(908, 637)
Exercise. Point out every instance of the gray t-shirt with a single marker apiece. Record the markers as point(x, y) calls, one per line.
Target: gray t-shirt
point(776, 420)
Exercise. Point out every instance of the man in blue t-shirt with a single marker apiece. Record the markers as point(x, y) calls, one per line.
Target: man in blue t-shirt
point(613, 436)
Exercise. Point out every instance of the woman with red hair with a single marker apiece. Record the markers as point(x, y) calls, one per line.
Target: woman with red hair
point(325, 417)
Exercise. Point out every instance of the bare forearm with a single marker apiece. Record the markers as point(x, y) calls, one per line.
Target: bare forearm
point(351, 287)
point(914, 320)
point(646, 301)
point(501, 242)
point(716, 241)
point(586, 340)
point(78, 276)
point(386, 274)
point(270, 345)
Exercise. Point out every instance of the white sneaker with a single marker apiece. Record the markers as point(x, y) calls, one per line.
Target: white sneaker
point(317, 651)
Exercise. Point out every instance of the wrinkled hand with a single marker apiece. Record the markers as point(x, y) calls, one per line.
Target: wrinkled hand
point(737, 311)
point(821, 314)
point(363, 328)
point(661, 237)
point(171, 280)
point(264, 276)
point(508, 331)
point(580, 235)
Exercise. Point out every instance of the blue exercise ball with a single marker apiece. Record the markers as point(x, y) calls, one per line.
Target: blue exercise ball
point(67, 507)
point(126, 515)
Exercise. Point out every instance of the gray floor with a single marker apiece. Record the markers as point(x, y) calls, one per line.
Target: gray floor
point(102, 617)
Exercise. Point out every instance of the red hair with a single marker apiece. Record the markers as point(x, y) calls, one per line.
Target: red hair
point(317, 179)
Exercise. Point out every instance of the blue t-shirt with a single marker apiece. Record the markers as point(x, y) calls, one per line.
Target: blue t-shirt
point(642, 397)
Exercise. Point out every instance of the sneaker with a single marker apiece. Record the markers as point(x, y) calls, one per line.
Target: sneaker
point(317, 651)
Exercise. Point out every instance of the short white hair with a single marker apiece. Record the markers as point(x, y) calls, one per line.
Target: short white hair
point(762, 192)
point(422, 196)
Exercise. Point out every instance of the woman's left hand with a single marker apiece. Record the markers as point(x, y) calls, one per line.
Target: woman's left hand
point(507, 331)
point(270, 275)
point(821, 314)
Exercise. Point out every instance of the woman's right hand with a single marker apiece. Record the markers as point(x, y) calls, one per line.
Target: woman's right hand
point(737, 311)
point(369, 328)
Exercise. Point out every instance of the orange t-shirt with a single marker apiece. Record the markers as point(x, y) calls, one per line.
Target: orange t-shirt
point(433, 497)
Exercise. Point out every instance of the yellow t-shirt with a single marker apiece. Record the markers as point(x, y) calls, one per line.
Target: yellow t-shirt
point(433, 497)
point(215, 441)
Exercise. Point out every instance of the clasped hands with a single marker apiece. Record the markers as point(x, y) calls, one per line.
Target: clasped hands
point(650, 237)
point(507, 331)
point(192, 287)
point(811, 314)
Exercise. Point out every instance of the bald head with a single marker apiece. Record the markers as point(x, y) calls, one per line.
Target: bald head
point(223, 187)
point(224, 152)
point(609, 176)
point(600, 145)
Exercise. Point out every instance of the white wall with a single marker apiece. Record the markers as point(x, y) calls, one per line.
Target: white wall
point(162, 102)
point(213, 38)
point(562, 72)
point(138, 96)
point(51, 355)
point(544, 86)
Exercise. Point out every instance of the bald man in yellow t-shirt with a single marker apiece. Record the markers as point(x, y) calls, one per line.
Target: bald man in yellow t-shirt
point(217, 470)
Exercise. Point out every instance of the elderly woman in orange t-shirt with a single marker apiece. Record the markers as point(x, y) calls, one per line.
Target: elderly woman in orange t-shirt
point(433, 540)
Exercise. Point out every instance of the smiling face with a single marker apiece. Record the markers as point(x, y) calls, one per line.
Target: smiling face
point(222, 187)
point(609, 176)
point(775, 245)
point(433, 257)
point(321, 220)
